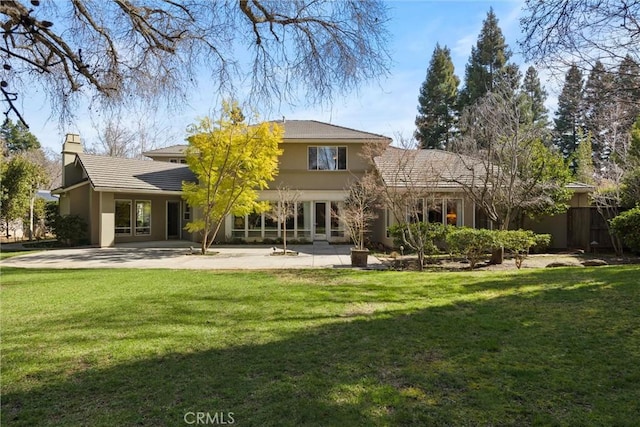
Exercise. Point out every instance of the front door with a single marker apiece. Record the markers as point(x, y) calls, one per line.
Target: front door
point(320, 221)
point(173, 220)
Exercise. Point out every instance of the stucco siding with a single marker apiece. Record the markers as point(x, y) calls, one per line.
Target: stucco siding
point(158, 216)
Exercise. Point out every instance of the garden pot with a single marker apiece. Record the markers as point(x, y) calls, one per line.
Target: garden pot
point(359, 257)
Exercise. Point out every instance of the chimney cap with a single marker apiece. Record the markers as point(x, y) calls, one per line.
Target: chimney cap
point(72, 137)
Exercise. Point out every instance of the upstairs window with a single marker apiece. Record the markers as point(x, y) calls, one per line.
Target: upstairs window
point(325, 158)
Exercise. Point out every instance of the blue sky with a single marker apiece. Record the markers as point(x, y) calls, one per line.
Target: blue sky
point(387, 107)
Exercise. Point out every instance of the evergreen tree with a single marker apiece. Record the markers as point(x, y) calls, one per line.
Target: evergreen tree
point(536, 96)
point(437, 101)
point(487, 63)
point(582, 158)
point(16, 138)
point(569, 116)
point(599, 106)
point(627, 88)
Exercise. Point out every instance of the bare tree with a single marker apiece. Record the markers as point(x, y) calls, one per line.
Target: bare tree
point(152, 49)
point(512, 173)
point(284, 209)
point(410, 184)
point(566, 31)
point(359, 209)
point(115, 139)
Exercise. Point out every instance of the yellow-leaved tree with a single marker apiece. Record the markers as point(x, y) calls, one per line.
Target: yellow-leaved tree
point(232, 161)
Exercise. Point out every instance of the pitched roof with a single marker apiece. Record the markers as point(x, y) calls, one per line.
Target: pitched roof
point(294, 131)
point(134, 175)
point(314, 130)
point(424, 168)
point(173, 150)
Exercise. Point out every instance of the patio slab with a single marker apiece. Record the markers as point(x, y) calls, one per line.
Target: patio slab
point(179, 255)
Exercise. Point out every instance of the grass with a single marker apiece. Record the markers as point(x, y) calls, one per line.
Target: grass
point(321, 347)
point(9, 254)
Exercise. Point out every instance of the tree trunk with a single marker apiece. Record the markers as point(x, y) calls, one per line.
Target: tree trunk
point(497, 256)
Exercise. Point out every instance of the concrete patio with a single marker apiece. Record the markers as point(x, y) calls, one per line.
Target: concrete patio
point(179, 255)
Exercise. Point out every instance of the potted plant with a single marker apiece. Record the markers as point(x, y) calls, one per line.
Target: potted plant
point(357, 215)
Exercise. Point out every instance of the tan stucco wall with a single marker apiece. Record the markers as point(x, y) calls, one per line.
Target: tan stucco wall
point(294, 173)
point(158, 215)
point(107, 219)
point(79, 202)
point(94, 225)
point(555, 225)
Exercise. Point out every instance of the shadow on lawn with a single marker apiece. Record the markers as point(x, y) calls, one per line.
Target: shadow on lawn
point(566, 356)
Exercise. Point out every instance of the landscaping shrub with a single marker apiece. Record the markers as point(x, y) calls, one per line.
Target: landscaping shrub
point(627, 227)
point(70, 230)
point(423, 238)
point(473, 243)
point(520, 242)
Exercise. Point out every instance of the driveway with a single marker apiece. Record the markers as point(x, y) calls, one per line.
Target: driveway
point(178, 255)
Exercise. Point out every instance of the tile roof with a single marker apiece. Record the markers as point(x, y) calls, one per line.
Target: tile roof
point(424, 168)
point(312, 129)
point(294, 130)
point(134, 175)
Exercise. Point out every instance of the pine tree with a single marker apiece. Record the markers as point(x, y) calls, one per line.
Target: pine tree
point(599, 106)
point(583, 160)
point(16, 138)
point(569, 116)
point(627, 88)
point(437, 101)
point(536, 96)
point(487, 63)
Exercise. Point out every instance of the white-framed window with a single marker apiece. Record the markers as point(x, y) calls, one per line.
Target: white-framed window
point(337, 227)
point(186, 211)
point(143, 217)
point(327, 158)
point(122, 217)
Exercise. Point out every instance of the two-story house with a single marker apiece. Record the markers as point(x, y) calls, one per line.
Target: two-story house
point(126, 200)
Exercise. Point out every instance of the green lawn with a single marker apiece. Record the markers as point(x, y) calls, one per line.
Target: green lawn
point(326, 348)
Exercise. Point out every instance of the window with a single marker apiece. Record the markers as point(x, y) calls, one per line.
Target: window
point(186, 211)
point(143, 217)
point(454, 212)
point(270, 227)
point(183, 161)
point(327, 158)
point(123, 217)
point(173, 160)
point(434, 213)
point(337, 229)
point(415, 213)
point(303, 220)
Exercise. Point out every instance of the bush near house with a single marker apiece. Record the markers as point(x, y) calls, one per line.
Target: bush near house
point(473, 243)
point(519, 242)
point(421, 237)
point(70, 230)
point(627, 227)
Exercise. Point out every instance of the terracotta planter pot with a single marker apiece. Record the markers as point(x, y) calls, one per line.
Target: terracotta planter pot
point(359, 257)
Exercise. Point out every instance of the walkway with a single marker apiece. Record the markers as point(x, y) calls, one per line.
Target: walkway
point(178, 255)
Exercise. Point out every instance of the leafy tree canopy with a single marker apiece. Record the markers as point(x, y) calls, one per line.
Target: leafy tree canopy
point(232, 160)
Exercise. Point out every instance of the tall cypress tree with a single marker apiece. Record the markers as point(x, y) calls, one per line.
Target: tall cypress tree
point(437, 101)
point(627, 89)
point(487, 65)
point(599, 107)
point(536, 96)
point(569, 116)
